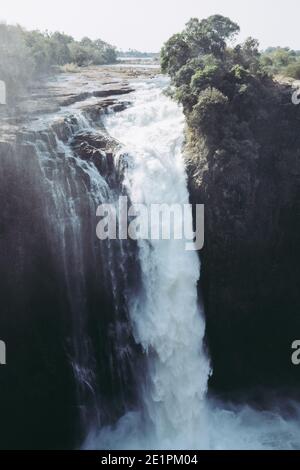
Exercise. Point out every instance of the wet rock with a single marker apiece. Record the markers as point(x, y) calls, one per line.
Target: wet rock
point(75, 98)
point(98, 148)
point(95, 111)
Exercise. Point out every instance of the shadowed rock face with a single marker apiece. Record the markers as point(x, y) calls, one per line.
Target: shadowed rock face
point(74, 98)
point(250, 261)
point(64, 318)
point(96, 148)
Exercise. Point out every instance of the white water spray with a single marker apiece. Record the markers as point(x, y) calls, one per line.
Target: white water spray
point(167, 321)
point(166, 318)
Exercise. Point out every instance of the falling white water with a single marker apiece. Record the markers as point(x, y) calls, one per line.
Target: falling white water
point(166, 317)
point(167, 321)
point(64, 210)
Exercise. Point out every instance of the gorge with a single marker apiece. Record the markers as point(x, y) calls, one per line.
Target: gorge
point(107, 338)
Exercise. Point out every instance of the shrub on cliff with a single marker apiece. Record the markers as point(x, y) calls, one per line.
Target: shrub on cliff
point(223, 88)
point(209, 111)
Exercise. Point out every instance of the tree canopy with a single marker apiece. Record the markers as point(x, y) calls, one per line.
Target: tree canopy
point(199, 38)
point(223, 87)
point(281, 60)
point(26, 55)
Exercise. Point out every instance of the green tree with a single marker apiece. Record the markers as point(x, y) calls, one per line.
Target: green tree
point(281, 60)
point(28, 55)
point(199, 38)
point(223, 88)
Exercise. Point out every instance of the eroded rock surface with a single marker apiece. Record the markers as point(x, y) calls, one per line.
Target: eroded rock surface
point(63, 314)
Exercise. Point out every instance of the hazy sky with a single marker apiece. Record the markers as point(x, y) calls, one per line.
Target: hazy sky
point(146, 24)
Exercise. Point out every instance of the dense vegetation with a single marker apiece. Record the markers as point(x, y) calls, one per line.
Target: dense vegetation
point(27, 55)
point(215, 80)
point(225, 91)
point(137, 54)
point(284, 61)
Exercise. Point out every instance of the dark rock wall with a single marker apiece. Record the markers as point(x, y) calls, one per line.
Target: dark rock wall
point(64, 317)
point(250, 261)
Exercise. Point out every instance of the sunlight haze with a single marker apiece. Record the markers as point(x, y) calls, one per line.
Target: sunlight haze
point(144, 25)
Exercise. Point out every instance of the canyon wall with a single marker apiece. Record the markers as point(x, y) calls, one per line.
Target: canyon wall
point(248, 179)
point(70, 351)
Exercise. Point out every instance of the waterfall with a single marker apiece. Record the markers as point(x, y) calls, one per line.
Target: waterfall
point(165, 315)
point(93, 275)
point(112, 333)
point(173, 411)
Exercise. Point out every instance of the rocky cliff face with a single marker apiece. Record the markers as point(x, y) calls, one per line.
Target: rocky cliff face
point(64, 318)
point(251, 258)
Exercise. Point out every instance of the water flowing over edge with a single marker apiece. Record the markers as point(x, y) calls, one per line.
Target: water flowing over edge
point(174, 411)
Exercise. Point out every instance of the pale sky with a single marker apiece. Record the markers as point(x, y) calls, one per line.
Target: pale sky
point(147, 24)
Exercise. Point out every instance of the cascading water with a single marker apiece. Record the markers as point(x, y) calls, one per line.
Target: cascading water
point(67, 230)
point(72, 190)
point(174, 412)
point(123, 314)
point(166, 318)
